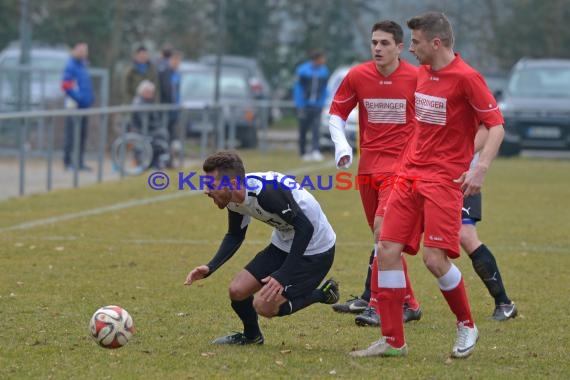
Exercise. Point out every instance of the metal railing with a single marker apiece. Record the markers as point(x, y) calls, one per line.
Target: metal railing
point(208, 120)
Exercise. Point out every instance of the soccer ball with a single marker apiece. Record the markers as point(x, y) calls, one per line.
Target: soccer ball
point(111, 326)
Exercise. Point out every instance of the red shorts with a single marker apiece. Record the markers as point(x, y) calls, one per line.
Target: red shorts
point(375, 190)
point(431, 208)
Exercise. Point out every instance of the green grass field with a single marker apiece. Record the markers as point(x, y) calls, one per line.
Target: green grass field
point(54, 275)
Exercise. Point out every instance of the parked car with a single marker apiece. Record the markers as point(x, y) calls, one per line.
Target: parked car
point(258, 84)
point(536, 106)
point(46, 63)
point(198, 89)
point(351, 122)
point(497, 82)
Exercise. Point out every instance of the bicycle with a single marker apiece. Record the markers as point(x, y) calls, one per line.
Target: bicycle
point(132, 153)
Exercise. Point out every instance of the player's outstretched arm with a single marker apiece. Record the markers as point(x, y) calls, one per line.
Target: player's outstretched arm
point(196, 274)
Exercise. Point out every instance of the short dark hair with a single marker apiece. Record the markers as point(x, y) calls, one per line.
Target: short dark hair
point(77, 43)
point(167, 50)
point(391, 27)
point(434, 24)
point(140, 48)
point(227, 163)
point(316, 54)
point(176, 53)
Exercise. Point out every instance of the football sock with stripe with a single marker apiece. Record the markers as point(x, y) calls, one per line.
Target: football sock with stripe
point(453, 289)
point(299, 303)
point(391, 293)
point(486, 268)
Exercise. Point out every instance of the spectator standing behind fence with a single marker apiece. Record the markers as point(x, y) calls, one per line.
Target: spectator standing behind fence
point(309, 93)
point(141, 69)
point(169, 80)
point(76, 83)
point(162, 61)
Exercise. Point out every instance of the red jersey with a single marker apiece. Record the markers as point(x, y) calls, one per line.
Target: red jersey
point(385, 112)
point(450, 104)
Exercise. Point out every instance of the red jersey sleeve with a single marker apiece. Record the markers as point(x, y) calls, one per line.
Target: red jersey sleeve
point(345, 99)
point(483, 102)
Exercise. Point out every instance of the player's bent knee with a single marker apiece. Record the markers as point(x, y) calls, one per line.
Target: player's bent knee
point(435, 263)
point(237, 292)
point(264, 308)
point(388, 254)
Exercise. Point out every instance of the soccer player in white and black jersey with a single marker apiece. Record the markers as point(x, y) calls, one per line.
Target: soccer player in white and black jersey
point(284, 277)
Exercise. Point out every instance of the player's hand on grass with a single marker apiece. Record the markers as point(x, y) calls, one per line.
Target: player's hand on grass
point(196, 274)
point(271, 289)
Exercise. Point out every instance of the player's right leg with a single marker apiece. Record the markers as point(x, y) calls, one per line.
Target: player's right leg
point(383, 185)
point(442, 209)
point(401, 229)
point(241, 291)
point(391, 293)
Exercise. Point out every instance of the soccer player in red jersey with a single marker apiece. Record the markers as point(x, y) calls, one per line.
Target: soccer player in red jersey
point(383, 89)
point(451, 97)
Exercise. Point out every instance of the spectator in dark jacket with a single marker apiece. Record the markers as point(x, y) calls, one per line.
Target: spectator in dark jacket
point(169, 80)
point(141, 69)
point(165, 53)
point(77, 85)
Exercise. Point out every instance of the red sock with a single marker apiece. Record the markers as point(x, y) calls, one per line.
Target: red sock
point(391, 312)
point(459, 304)
point(410, 299)
point(373, 303)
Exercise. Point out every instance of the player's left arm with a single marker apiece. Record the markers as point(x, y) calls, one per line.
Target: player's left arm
point(229, 246)
point(481, 137)
point(476, 176)
point(484, 104)
point(280, 201)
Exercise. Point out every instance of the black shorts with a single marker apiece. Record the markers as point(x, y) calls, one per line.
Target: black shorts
point(471, 209)
point(306, 277)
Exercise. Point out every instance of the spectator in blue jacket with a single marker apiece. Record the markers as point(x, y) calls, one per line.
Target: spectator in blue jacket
point(309, 93)
point(77, 85)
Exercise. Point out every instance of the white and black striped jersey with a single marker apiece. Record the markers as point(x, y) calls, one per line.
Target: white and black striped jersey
point(299, 225)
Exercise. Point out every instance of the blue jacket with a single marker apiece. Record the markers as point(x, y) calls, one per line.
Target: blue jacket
point(311, 85)
point(76, 82)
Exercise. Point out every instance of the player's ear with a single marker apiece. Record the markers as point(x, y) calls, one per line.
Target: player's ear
point(436, 43)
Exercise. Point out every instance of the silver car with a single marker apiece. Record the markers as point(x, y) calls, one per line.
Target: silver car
point(197, 90)
point(46, 68)
point(536, 106)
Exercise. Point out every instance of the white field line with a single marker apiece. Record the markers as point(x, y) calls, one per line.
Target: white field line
point(364, 243)
point(134, 203)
